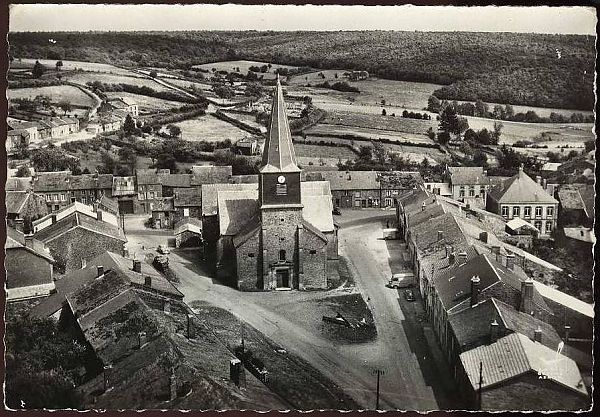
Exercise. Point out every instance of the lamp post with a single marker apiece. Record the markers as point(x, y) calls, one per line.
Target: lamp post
point(378, 372)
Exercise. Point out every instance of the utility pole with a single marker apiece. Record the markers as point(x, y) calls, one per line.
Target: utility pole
point(480, 384)
point(243, 347)
point(378, 372)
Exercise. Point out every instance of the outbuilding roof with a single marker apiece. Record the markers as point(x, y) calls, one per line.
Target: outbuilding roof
point(521, 189)
point(467, 176)
point(345, 180)
point(75, 220)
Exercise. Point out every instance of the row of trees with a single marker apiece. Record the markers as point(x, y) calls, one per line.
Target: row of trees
point(339, 86)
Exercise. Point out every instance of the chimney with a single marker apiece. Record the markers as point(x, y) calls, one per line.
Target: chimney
point(53, 218)
point(137, 266)
point(462, 257)
point(236, 371)
point(538, 179)
point(19, 224)
point(545, 183)
point(510, 261)
point(567, 333)
point(440, 235)
point(475, 290)
point(495, 250)
point(494, 331)
point(190, 328)
point(537, 335)
point(99, 215)
point(423, 206)
point(100, 269)
point(527, 296)
point(107, 370)
point(147, 280)
point(95, 206)
point(29, 240)
point(141, 339)
point(451, 258)
point(483, 236)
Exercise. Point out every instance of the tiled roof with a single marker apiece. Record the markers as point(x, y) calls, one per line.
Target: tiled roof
point(521, 189)
point(175, 180)
point(516, 354)
point(188, 197)
point(278, 152)
point(90, 181)
point(18, 184)
point(109, 203)
point(578, 197)
point(77, 279)
point(414, 200)
point(210, 174)
point(348, 180)
point(431, 211)
point(16, 239)
point(210, 198)
point(426, 234)
point(147, 176)
point(22, 125)
point(236, 208)
point(244, 179)
point(51, 181)
point(188, 224)
point(77, 220)
point(15, 200)
point(64, 181)
point(564, 299)
point(467, 175)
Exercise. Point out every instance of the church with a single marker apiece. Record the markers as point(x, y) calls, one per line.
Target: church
point(278, 234)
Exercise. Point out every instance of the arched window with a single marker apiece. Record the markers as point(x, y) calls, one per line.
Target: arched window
point(282, 255)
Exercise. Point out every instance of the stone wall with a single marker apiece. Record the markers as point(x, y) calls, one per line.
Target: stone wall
point(249, 260)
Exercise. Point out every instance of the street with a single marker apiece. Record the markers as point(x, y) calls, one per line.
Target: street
point(400, 349)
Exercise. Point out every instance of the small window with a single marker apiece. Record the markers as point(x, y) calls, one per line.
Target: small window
point(313, 252)
point(550, 211)
point(548, 227)
point(516, 211)
point(504, 211)
point(282, 255)
point(538, 212)
point(527, 211)
point(251, 255)
point(357, 194)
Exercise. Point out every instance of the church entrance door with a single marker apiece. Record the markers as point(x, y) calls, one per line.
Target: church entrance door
point(283, 278)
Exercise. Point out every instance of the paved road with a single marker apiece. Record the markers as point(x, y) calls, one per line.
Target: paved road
point(349, 366)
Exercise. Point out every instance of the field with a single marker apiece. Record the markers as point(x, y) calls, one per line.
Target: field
point(71, 65)
point(186, 84)
point(56, 93)
point(210, 129)
point(147, 104)
point(540, 111)
point(244, 67)
point(246, 118)
point(315, 155)
point(348, 132)
point(85, 77)
point(379, 122)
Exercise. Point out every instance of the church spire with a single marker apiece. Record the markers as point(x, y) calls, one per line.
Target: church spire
point(278, 153)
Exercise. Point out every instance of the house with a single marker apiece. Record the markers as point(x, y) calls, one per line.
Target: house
point(44, 129)
point(18, 184)
point(576, 206)
point(62, 188)
point(283, 236)
point(29, 127)
point(188, 232)
point(149, 186)
point(468, 184)
point(580, 166)
point(393, 184)
point(520, 196)
point(16, 140)
point(83, 209)
point(28, 265)
point(25, 206)
point(188, 203)
point(171, 182)
point(351, 189)
point(135, 271)
point(110, 123)
point(551, 167)
point(517, 373)
point(248, 146)
point(163, 213)
point(125, 104)
point(108, 205)
point(125, 193)
point(78, 237)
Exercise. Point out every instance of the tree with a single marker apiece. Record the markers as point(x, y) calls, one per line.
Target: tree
point(41, 101)
point(508, 111)
point(590, 145)
point(166, 161)
point(38, 69)
point(451, 123)
point(379, 152)
point(129, 125)
point(498, 112)
point(431, 133)
point(128, 157)
point(481, 108)
point(52, 158)
point(433, 104)
point(509, 158)
point(495, 136)
point(254, 90)
point(153, 74)
point(65, 106)
point(383, 112)
point(59, 65)
point(365, 153)
point(480, 159)
point(23, 171)
point(443, 137)
point(108, 166)
point(224, 91)
point(174, 131)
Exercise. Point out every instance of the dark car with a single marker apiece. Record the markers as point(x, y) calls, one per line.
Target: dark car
point(336, 210)
point(408, 295)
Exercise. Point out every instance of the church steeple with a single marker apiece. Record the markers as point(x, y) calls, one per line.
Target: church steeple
point(278, 153)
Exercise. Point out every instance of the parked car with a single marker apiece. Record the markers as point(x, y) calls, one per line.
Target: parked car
point(161, 262)
point(336, 210)
point(400, 281)
point(163, 249)
point(408, 295)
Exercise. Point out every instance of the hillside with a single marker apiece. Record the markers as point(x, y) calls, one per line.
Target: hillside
point(496, 67)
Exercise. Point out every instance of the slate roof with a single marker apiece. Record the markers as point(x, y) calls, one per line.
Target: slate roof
point(467, 176)
point(188, 197)
point(278, 152)
point(578, 197)
point(147, 176)
point(349, 180)
point(564, 299)
point(426, 234)
point(74, 220)
point(584, 234)
point(110, 204)
point(15, 200)
point(472, 326)
point(521, 189)
point(431, 211)
point(175, 180)
point(79, 278)
point(244, 179)
point(191, 224)
point(64, 180)
point(236, 208)
point(414, 200)
point(208, 174)
point(16, 240)
point(516, 354)
point(51, 181)
point(18, 184)
point(210, 198)
point(90, 181)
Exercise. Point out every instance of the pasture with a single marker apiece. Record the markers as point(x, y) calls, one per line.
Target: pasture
point(56, 93)
point(147, 104)
point(540, 111)
point(379, 122)
point(359, 133)
point(210, 129)
point(189, 84)
point(244, 66)
point(85, 77)
point(71, 66)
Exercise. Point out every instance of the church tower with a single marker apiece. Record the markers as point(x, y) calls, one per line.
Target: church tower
point(280, 201)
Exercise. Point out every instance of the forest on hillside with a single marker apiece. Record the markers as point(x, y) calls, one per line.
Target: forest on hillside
point(528, 69)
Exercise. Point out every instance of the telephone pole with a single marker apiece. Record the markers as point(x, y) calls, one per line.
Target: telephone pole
point(378, 372)
point(480, 384)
